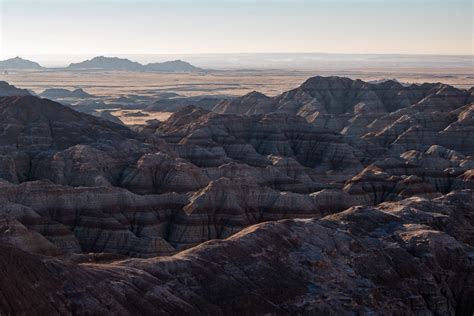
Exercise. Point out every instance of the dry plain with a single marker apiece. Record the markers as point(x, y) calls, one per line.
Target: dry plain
point(115, 84)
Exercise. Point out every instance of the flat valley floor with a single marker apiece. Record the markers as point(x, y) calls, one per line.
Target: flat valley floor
point(269, 82)
point(217, 83)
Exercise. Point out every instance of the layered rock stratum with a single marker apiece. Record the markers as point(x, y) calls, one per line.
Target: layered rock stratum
point(408, 257)
point(338, 197)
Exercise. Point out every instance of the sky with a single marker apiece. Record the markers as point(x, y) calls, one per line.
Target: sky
point(107, 27)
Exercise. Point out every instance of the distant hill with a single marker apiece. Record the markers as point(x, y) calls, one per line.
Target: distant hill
point(172, 66)
point(123, 64)
point(107, 63)
point(19, 63)
point(64, 93)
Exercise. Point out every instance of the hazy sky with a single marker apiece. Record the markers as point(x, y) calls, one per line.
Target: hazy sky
point(229, 26)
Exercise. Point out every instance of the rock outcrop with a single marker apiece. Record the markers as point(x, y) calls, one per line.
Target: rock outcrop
point(7, 90)
point(58, 93)
point(251, 103)
point(389, 114)
point(91, 219)
point(250, 139)
point(338, 95)
point(408, 257)
point(227, 172)
point(37, 134)
point(341, 197)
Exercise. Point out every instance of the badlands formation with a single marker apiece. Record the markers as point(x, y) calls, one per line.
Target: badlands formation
point(337, 197)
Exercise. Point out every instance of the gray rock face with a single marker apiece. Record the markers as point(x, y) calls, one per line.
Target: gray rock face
point(252, 103)
point(227, 206)
point(251, 139)
point(368, 211)
point(159, 173)
point(337, 95)
point(94, 219)
point(408, 257)
point(387, 113)
point(106, 159)
point(7, 90)
point(112, 220)
point(411, 129)
point(34, 132)
point(231, 171)
point(31, 123)
point(374, 186)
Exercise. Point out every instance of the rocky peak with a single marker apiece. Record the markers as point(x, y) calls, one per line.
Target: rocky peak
point(31, 122)
point(7, 90)
point(327, 83)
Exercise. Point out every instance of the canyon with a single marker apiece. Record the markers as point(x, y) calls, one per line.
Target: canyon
point(338, 196)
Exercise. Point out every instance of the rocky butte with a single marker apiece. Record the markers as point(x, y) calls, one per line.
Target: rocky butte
point(103, 63)
point(18, 63)
point(337, 197)
point(122, 64)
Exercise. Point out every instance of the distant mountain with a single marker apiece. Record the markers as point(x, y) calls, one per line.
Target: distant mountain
point(123, 64)
point(7, 90)
point(64, 93)
point(19, 63)
point(107, 63)
point(172, 66)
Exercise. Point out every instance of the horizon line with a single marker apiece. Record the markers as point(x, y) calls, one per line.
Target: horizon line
point(110, 54)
